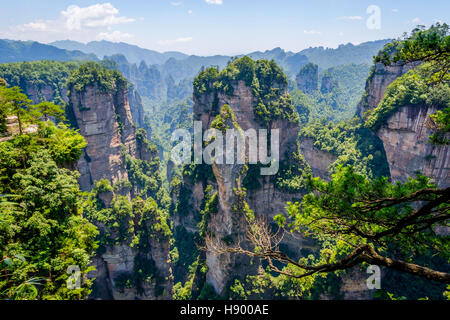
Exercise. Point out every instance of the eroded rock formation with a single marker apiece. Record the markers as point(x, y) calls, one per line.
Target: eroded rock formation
point(104, 119)
point(406, 133)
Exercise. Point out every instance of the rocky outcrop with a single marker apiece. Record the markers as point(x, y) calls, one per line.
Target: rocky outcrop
point(328, 84)
point(137, 109)
point(406, 133)
point(308, 78)
point(227, 221)
point(405, 136)
point(319, 161)
point(104, 118)
point(38, 93)
point(379, 79)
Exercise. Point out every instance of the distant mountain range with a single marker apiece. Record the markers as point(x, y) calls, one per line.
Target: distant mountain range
point(169, 75)
point(18, 51)
point(134, 54)
point(291, 62)
point(180, 65)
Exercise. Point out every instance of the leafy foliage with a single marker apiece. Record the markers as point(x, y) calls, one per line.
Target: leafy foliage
point(265, 78)
point(42, 231)
point(91, 73)
point(411, 89)
point(422, 45)
point(351, 143)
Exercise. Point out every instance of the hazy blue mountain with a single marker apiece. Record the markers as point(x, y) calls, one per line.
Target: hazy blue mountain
point(133, 53)
point(18, 51)
point(344, 54)
point(290, 62)
point(181, 66)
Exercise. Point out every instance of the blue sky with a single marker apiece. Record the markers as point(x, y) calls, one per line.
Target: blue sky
point(207, 27)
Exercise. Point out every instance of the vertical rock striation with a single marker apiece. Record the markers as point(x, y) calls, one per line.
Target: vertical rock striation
point(100, 110)
point(406, 133)
point(379, 79)
point(237, 107)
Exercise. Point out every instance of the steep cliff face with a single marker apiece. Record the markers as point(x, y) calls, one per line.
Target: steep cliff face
point(38, 93)
point(328, 84)
point(266, 201)
point(137, 109)
point(406, 133)
point(380, 78)
point(319, 161)
point(97, 115)
point(308, 78)
point(226, 220)
point(122, 160)
point(405, 136)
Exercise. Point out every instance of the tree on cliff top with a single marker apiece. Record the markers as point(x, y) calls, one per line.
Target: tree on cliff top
point(422, 45)
point(92, 73)
point(42, 231)
point(266, 80)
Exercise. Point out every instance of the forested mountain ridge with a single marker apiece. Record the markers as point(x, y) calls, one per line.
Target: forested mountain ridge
point(17, 51)
point(133, 53)
point(344, 54)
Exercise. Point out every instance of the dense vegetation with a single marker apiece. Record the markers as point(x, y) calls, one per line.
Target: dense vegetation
point(39, 76)
point(411, 89)
point(90, 74)
point(351, 143)
point(337, 96)
point(42, 230)
point(356, 219)
point(266, 80)
point(427, 85)
point(360, 218)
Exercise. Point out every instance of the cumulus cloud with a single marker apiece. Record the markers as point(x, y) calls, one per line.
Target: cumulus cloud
point(114, 36)
point(88, 23)
point(416, 20)
point(33, 26)
point(214, 1)
point(97, 15)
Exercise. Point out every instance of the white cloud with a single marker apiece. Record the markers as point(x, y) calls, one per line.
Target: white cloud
point(190, 12)
point(33, 26)
point(394, 10)
point(214, 1)
point(416, 20)
point(179, 40)
point(115, 36)
point(77, 23)
point(176, 4)
point(311, 32)
point(97, 15)
point(187, 39)
point(350, 18)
